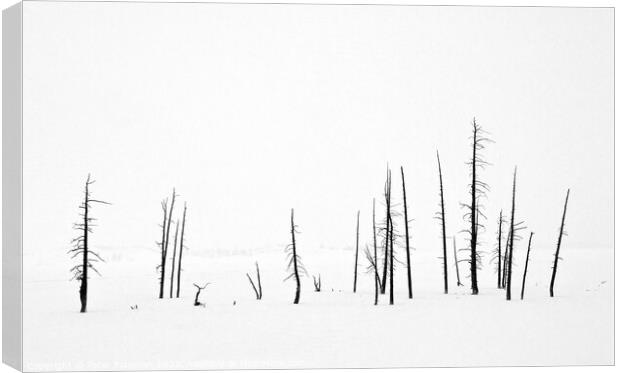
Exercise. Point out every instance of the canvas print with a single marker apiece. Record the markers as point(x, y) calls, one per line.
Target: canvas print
point(246, 186)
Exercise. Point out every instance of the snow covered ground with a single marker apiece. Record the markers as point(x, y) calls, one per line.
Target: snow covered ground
point(333, 328)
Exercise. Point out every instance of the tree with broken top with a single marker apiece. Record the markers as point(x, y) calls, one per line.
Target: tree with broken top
point(198, 290)
point(165, 228)
point(456, 262)
point(317, 283)
point(527, 259)
point(557, 250)
point(258, 288)
point(81, 246)
point(442, 218)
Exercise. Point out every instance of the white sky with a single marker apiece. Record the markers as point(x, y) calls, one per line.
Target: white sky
point(250, 110)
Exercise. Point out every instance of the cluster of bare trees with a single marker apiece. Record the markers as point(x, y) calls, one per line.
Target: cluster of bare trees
point(474, 212)
point(168, 209)
point(381, 267)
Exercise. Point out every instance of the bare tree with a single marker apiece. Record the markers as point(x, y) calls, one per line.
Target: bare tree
point(391, 225)
point(442, 217)
point(456, 263)
point(387, 192)
point(165, 240)
point(374, 242)
point(557, 250)
point(505, 269)
point(294, 261)
point(357, 240)
point(317, 283)
point(478, 189)
point(198, 290)
point(81, 245)
point(510, 246)
point(181, 246)
point(162, 265)
point(498, 252)
point(409, 285)
point(527, 259)
point(258, 289)
point(174, 255)
point(372, 268)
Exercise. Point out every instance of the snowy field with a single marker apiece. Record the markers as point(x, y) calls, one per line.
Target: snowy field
point(334, 328)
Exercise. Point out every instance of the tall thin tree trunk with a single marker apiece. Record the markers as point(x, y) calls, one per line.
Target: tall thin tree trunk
point(505, 269)
point(527, 259)
point(499, 251)
point(456, 263)
point(162, 266)
point(443, 229)
point(510, 247)
point(84, 280)
point(473, 211)
point(260, 286)
point(298, 290)
point(357, 240)
point(174, 255)
point(387, 192)
point(181, 251)
point(409, 286)
point(391, 261)
point(557, 250)
point(166, 241)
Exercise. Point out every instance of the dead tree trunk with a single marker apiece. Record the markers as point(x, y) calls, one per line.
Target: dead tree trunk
point(387, 195)
point(456, 263)
point(510, 247)
point(294, 262)
point(162, 264)
point(499, 250)
point(557, 250)
point(317, 283)
point(505, 269)
point(81, 246)
point(198, 290)
point(409, 285)
point(374, 241)
point(165, 245)
point(260, 285)
point(357, 240)
point(477, 189)
point(84, 284)
point(527, 259)
point(474, 228)
point(181, 250)
point(443, 228)
point(391, 262)
point(174, 255)
point(258, 289)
